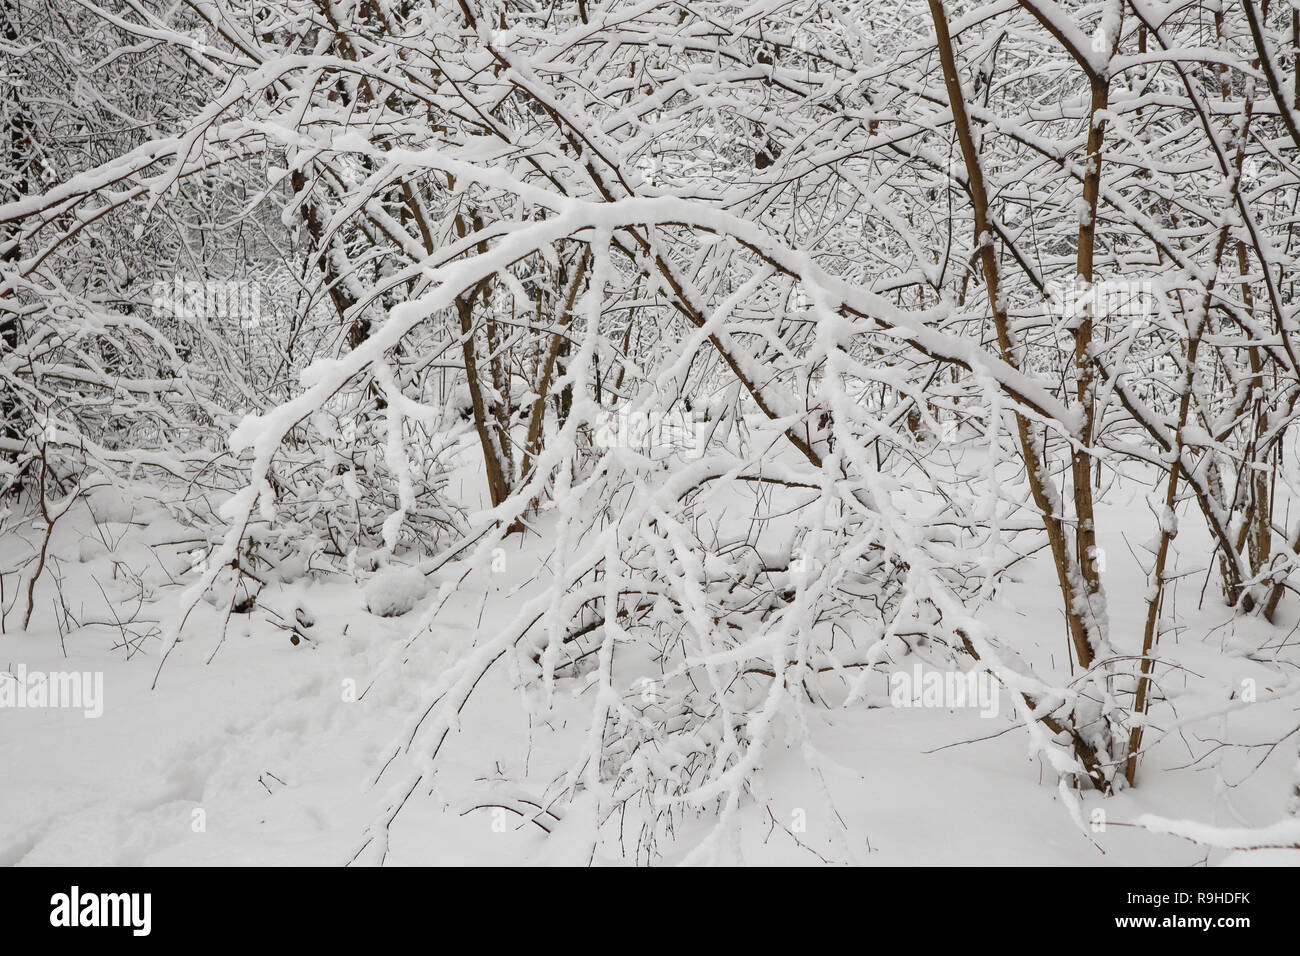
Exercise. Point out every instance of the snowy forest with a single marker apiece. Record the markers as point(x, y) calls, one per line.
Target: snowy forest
point(650, 432)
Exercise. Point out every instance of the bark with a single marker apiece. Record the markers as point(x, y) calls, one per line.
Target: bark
point(546, 374)
point(1077, 601)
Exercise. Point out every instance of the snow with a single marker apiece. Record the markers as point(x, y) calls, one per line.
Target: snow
point(394, 591)
point(270, 739)
point(329, 616)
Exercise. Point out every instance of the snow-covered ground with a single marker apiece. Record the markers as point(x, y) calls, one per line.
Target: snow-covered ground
point(254, 749)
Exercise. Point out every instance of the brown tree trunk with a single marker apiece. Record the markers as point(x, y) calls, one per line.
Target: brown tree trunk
point(1084, 634)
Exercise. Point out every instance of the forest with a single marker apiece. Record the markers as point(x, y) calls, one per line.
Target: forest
point(645, 432)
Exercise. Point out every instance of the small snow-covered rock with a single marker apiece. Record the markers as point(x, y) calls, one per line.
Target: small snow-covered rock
point(88, 549)
point(394, 591)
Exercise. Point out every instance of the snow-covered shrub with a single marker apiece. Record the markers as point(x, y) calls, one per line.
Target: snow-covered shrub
point(882, 265)
point(394, 591)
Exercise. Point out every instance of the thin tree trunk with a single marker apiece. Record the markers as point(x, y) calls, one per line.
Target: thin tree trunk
point(1083, 637)
point(533, 443)
point(1043, 492)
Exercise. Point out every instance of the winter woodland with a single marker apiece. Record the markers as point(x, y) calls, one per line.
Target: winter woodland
point(642, 432)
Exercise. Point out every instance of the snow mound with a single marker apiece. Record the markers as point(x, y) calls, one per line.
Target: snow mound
point(110, 504)
point(394, 591)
